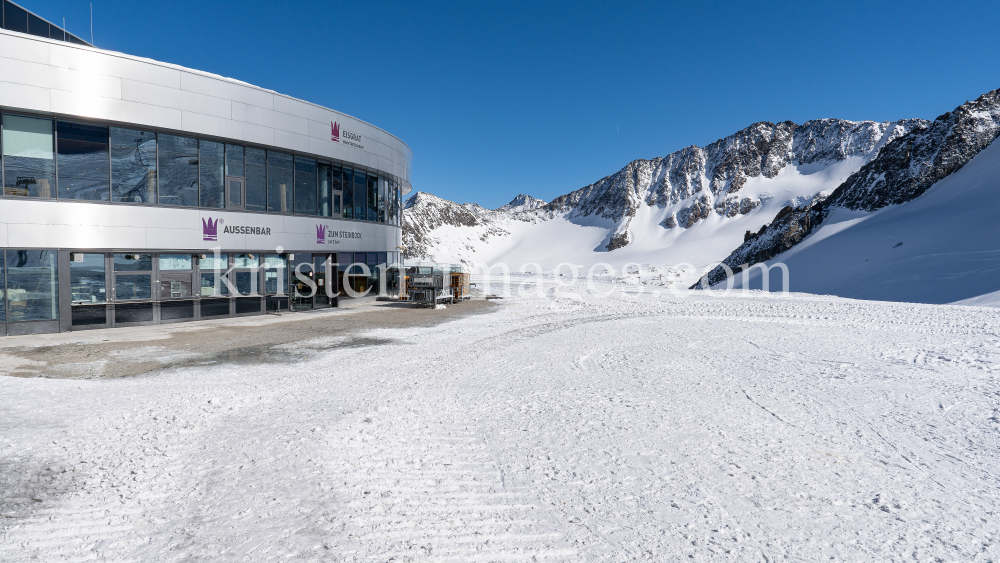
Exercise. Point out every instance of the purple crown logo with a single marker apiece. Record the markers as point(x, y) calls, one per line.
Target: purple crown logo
point(320, 234)
point(334, 131)
point(210, 229)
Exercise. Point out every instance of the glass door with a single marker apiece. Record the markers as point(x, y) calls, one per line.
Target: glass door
point(88, 289)
point(302, 295)
point(319, 266)
point(234, 192)
point(132, 288)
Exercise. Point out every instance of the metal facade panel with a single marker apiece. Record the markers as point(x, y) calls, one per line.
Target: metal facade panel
point(47, 76)
point(31, 223)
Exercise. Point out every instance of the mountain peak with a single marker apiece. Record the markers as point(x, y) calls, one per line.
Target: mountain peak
point(522, 202)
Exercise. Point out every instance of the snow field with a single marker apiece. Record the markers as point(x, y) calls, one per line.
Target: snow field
point(751, 427)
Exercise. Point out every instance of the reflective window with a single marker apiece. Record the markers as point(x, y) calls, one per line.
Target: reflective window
point(15, 18)
point(382, 188)
point(305, 186)
point(178, 171)
point(246, 275)
point(37, 26)
point(211, 269)
point(133, 165)
point(348, 193)
point(29, 164)
point(129, 285)
point(256, 175)
point(32, 285)
point(234, 160)
point(169, 262)
point(372, 198)
point(3, 299)
point(212, 170)
point(336, 204)
point(84, 170)
point(133, 262)
point(279, 182)
point(336, 185)
point(212, 285)
point(175, 276)
point(323, 171)
point(56, 33)
point(247, 261)
point(212, 262)
point(360, 196)
point(86, 278)
point(275, 274)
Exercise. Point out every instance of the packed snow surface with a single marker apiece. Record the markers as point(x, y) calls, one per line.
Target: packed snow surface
point(747, 427)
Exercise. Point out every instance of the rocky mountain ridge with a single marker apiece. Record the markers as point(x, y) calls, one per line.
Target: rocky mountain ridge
point(692, 183)
point(904, 169)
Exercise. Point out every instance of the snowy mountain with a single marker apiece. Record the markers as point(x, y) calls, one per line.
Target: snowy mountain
point(522, 203)
point(692, 206)
point(930, 198)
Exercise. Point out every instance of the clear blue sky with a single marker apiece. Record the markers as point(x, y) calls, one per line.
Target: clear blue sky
point(500, 98)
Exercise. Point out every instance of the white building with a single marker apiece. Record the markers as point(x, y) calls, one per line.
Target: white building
point(134, 190)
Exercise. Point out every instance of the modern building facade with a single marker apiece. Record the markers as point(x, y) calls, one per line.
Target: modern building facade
point(140, 192)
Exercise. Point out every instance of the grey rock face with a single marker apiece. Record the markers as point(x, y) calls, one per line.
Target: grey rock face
point(906, 166)
point(914, 162)
point(707, 180)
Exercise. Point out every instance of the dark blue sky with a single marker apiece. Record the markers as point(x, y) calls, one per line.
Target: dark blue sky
point(501, 98)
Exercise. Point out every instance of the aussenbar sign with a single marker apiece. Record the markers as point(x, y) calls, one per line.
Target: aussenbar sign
point(210, 229)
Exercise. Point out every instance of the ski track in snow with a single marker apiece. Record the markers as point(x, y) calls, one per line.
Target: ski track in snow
point(648, 428)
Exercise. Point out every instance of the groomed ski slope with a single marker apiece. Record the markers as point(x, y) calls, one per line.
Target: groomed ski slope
point(941, 247)
point(754, 427)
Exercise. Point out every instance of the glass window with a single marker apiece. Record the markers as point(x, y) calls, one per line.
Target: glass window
point(348, 193)
point(3, 299)
point(372, 198)
point(133, 262)
point(247, 261)
point(212, 262)
point(382, 188)
point(305, 186)
point(29, 162)
point(325, 181)
point(56, 33)
point(275, 273)
point(234, 160)
point(336, 185)
point(15, 18)
point(74, 39)
point(175, 276)
point(246, 281)
point(170, 262)
point(133, 165)
point(37, 26)
point(212, 170)
point(178, 171)
point(133, 286)
point(279, 182)
point(84, 170)
point(360, 196)
point(86, 278)
point(32, 285)
point(211, 284)
point(256, 187)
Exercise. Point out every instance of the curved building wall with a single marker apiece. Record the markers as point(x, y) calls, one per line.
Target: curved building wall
point(71, 237)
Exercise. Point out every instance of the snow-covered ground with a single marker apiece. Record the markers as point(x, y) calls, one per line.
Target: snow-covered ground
point(754, 427)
